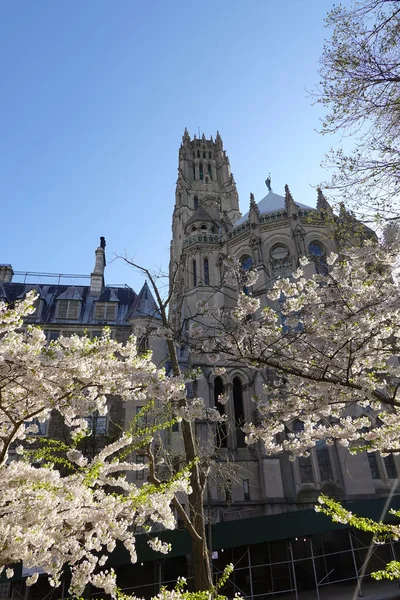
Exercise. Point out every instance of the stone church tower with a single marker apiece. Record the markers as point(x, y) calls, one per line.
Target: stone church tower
point(207, 226)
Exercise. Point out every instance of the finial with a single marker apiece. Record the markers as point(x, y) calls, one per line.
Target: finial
point(186, 136)
point(203, 137)
point(268, 182)
point(102, 242)
point(290, 205)
point(254, 213)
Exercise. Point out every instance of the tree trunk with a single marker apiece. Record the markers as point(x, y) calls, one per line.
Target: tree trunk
point(201, 566)
point(200, 551)
point(197, 530)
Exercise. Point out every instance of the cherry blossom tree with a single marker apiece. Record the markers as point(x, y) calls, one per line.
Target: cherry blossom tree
point(49, 518)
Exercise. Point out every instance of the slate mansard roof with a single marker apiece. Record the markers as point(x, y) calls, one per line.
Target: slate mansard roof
point(271, 203)
point(129, 304)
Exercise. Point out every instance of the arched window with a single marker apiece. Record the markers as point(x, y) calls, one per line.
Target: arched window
point(246, 264)
point(194, 273)
point(239, 412)
point(204, 154)
point(281, 262)
point(206, 272)
point(210, 171)
point(201, 171)
point(196, 202)
point(318, 255)
point(209, 155)
point(198, 153)
point(203, 227)
point(221, 438)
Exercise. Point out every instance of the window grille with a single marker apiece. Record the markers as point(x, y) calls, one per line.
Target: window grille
point(97, 424)
point(105, 311)
point(68, 309)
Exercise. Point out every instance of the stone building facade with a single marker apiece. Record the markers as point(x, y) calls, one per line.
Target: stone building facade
point(262, 517)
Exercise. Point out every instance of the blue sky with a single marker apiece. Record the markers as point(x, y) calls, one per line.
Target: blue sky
point(94, 98)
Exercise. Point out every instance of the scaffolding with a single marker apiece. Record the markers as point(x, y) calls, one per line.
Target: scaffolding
point(286, 568)
point(289, 569)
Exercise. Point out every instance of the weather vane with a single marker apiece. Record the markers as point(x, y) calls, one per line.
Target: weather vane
point(268, 182)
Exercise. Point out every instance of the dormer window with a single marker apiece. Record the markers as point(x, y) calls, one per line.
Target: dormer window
point(68, 309)
point(105, 311)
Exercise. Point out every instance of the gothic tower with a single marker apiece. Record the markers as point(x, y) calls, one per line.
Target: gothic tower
point(206, 206)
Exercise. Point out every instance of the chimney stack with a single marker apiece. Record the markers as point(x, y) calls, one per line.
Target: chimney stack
point(97, 277)
point(6, 273)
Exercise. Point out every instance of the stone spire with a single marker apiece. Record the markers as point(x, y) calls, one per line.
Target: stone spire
point(290, 206)
point(97, 277)
point(185, 137)
point(254, 212)
point(322, 202)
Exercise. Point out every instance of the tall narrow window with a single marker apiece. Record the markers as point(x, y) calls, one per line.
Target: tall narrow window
point(221, 440)
point(194, 272)
point(239, 413)
point(210, 171)
point(228, 491)
point(246, 489)
point(206, 272)
point(209, 155)
point(247, 263)
point(305, 465)
point(194, 171)
point(324, 461)
point(204, 154)
point(201, 171)
point(373, 465)
point(318, 255)
point(390, 466)
point(140, 461)
point(196, 202)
